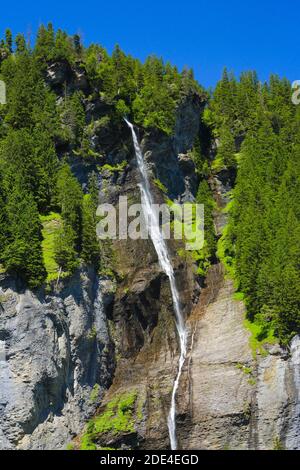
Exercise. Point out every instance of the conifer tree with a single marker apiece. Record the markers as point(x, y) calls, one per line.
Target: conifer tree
point(3, 219)
point(204, 196)
point(226, 149)
point(93, 187)
point(23, 253)
point(77, 44)
point(90, 243)
point(8, 40)
point(44, 50)
point(65, 252)
point(69, 198)
point(74, 117)
point(20, 44)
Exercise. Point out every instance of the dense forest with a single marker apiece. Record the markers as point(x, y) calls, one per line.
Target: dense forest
point(249, 129)
point(258, 128)
point(38, 130)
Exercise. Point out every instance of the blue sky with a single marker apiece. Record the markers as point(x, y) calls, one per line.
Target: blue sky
point(202, 34)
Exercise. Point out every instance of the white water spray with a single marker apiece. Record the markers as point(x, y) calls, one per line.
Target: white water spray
point(165, 262)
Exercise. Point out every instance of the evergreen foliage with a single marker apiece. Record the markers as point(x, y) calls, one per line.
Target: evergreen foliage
point(263, 237)
point(257, 133)
point(22, 254)
point(90, 243)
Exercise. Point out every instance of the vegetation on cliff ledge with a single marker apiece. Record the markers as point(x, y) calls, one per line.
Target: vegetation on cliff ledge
point(66, 102)
point(45, 126)
point(260, 246)
point(117, 418)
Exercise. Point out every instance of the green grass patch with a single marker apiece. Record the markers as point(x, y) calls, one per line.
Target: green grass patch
point(218, 164)
point(87, 443)
point(95, 393)
point(160, 185)
point(70, 446)
point(243, 368)
point(239, 296)
point(51, 223)
point(193, 236)
point(251, 381)
point(230, 204)
point(259, 337)
point(114, 168)
point(118, 416)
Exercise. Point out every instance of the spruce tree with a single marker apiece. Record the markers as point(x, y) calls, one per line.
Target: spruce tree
point(20, 44)
point(90, 242)
point(8, 40)
point(226, 150)
point(23, 253)
point(65, 251)
point(69, 198)
point(77, 44)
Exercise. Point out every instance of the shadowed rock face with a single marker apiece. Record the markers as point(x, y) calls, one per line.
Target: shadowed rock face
point(168, 157)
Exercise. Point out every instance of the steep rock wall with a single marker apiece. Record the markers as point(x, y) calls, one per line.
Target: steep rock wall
point(54, 350)
point(64, 357)
point(235, 401)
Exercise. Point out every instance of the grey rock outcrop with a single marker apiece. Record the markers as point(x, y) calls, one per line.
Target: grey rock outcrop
point(56, 362)
point(235, 401)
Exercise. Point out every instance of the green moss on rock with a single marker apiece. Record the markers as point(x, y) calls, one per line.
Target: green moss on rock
point(118, 417)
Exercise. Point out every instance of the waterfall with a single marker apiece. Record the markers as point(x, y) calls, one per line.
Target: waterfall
point(165, 263)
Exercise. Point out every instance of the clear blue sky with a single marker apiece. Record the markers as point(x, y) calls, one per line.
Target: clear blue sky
point(203, 34)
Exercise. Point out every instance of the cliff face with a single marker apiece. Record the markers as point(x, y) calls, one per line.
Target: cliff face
point(60, 352)
point(235, 401)
point(54, 350)
point(93, 345)
point(230, 399)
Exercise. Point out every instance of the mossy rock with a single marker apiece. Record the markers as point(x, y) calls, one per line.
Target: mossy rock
point(118, 418)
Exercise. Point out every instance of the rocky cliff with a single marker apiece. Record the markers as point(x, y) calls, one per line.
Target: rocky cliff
point(56, 360)
point(105, 352)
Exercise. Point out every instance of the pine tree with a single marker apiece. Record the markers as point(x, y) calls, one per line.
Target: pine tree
point(69, 197)
point(24, 78)
point(204, 196)
point(226, 150)
point(77, 44)
point(3, 219)
point(23, 253)
point(90, 243)
point(74, 117)
point(20, 44)
point(44, 50)
point(65, 252)
point(31, 156)
point(93, 187)
point(8, 40)
point(63, 47)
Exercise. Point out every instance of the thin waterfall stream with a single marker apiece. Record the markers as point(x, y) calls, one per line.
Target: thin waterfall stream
point(165, 263)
